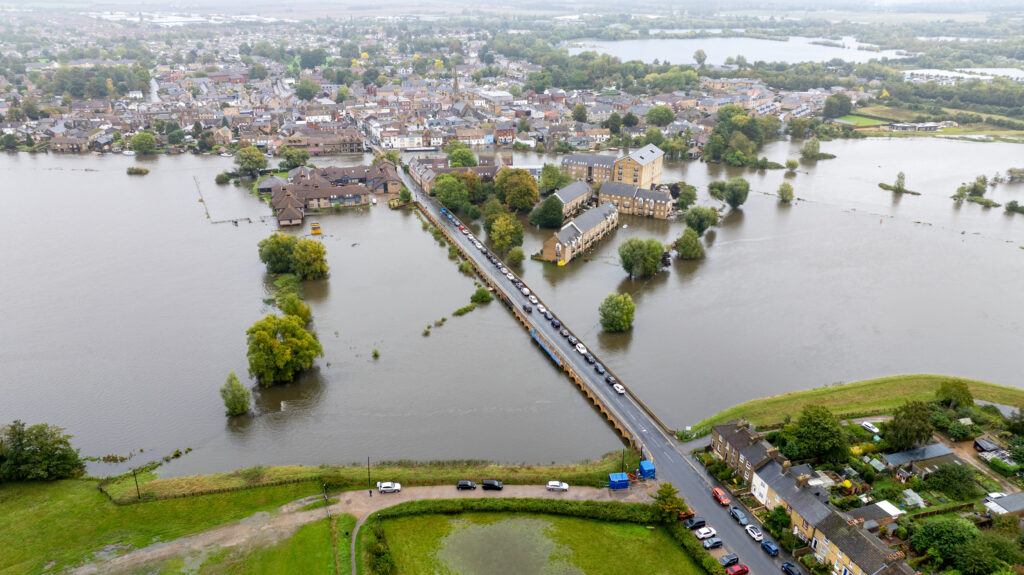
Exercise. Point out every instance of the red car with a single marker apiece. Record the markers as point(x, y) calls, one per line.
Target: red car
point(737, 570)
point(720, 495)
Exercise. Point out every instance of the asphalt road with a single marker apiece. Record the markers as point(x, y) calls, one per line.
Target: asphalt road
point(671, 458)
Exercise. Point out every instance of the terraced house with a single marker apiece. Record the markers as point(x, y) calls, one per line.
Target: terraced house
point(633, 200)
point(580, 234)
point(573, 197)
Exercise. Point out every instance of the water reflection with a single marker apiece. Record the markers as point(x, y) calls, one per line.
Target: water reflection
point(301, 394)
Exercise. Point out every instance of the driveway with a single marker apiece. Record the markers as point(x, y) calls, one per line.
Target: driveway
point(965, 451)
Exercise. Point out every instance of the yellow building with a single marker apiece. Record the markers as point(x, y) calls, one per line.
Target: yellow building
point(641, 168)
point(580, 234)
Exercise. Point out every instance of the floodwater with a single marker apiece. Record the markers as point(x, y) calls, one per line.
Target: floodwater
point(126, 309)
point(681, 50)
point(484, 546)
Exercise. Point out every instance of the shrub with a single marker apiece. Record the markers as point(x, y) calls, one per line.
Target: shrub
point(464, 310)
point(959, 432)
point(641, 513)
point(236, 397)
point(481, 295)
point(1003, 468)
point(136, 171)
point(515, 256)
point(222, 178)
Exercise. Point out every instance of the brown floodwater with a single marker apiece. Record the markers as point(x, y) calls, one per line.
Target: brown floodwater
point(126, 308)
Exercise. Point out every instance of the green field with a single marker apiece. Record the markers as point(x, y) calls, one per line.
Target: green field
point(66, 521)
point(870, 396)
point(862, 121)
point(491, 543)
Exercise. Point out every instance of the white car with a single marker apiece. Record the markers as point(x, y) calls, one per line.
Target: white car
point(542, 309)
point(389, 487)
point(503, 270)
point(619, 389)
point(526, 291)
point(705, 533)
point(754, 533)
point(478, 245)
point(557, 486)
point(581, 349)
point(511, 276)
point(534, 300)
point(870, 427)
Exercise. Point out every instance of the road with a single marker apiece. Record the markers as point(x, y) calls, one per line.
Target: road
point(670, 457)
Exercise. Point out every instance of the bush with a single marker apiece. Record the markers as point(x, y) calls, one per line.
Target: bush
point(236, 397)
point(1003, 468)
point(481, 295)
point(959, 432)
point(464, 310)
point(222, 178)
point(515, 256)
point(693, 547)
point(135, 171)
point(788, 541)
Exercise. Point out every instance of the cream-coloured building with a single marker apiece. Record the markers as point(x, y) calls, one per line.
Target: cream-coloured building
point(638, 201)
point(641, 168)
point(573, 197)
point(580, 234)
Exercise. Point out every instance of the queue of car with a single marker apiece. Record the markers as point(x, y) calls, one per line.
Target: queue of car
point(465, 484)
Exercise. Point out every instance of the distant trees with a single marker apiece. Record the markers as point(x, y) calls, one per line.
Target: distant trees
point(792, 165)
point(257, 71)
point(617, 311)
point(306, 89)
point(176, 137)
point(910, 425)
point(461, 158)
point(687, 196)
point(975, 189)
point(614, 123)
point(579, 113)
point(292, 158)
point(553, 178)
point(41, 452)
point(236, 397)
point(837, 105)
point(660, 116)
point(143, 143)
point(734, 192)
point(688, 246)
point(283, 253)
point(389, 156)
point(785, 192)
point(519, 187)
point(279, 348)
point(700, 56)
point(954, 393)
point(250, 161)
point(548, 214)
point(810, 149)
point(700, 218)
point(641, 258)
point(737, 137)
point(630, 120)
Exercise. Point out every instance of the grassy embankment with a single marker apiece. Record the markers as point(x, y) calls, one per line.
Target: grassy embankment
point(862, 121)
point(873, 396)
point(904, 115)
point(533, 543)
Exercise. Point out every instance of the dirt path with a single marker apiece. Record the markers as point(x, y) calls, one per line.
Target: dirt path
point(965, 451)
point(265, 528)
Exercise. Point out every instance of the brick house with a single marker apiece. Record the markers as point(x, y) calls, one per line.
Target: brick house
point(580, 234)
point(573, 197)
point(633, 200)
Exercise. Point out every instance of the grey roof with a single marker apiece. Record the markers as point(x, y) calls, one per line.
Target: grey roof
point(1012, 503)
point(916, 454)
point(986, 444)
point(270, 182)
point(602, 160)
point(573, 191)
point(864, 550)
point(646, 154)
point(655, 195)
point(807, 501)
point(584, 222)
point(617, 189)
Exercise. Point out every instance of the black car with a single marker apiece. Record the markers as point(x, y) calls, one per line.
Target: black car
point(549, 315)
point(599, 369)
point(491, 485)
point(739, 516)
point(527, 309)
point(611, 379)
point(590, 358)
point(564, 332)
point(465, 484)
point(790, 569)
point(556, 324)
point(728, 560)
point(572, 340)
point(694, 523)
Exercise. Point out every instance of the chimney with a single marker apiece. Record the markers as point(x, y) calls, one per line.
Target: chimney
point(802, 480)
point(786, 465)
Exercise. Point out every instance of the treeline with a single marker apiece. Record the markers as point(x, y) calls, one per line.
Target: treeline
point(37, 453)
point(1000, 96)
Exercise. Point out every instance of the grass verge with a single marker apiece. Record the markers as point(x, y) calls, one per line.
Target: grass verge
point(872, 396)
point(308, 551)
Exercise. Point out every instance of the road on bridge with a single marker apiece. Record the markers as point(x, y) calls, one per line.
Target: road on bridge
point(671, 457)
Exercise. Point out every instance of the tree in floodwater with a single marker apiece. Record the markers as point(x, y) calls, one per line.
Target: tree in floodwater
point(236, 397)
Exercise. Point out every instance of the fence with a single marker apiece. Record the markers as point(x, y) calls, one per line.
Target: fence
point(150, 497)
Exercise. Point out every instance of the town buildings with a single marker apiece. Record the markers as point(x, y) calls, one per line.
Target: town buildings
point(633, 200)
point(573, 197)
point(641, 167)
point(580, 234)
point(324, 188)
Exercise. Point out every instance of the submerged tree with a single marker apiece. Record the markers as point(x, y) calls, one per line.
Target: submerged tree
point(236, 397)
point(617, 311)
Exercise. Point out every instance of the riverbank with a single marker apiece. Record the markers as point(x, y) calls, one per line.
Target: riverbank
point(860, 398)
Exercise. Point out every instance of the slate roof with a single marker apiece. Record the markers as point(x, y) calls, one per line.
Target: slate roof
point(916, 454)
point(808, 502)
point(573, 191)
point(617, 189)
point(583, 223)
point(864, 550)
point(646, 154)
point(1012, 503)
point(595, 160)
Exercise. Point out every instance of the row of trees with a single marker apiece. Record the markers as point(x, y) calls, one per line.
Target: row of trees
point(39, 452)
point(737, 137)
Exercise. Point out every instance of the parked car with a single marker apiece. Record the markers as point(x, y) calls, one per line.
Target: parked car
point(556, 324)
point(790, 569)
point(563, 332)
point(590, 358)
point(526, 291)
point(770, 548)
point(541, 309)
point(712, 543)
point(600, 369)
point(619, 389)
point(492, 485)
point(478, 245)
point(511, 277)
point(870, 427)
point(557, 486)
point(719, 494)
point(503, 270)
point(611, 379)
point(549, 315)
point(581, 349)
point(737, 570)
point(755, 533)
point(389, 487)
point(534, 300)
point(465, 484)
point(705, 533)
point(527, 309)
point(739, 516)
point(694, 523)
point(572, 340)
point(729, 559)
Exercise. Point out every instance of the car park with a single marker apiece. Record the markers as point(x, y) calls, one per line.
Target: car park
point(465, 484)
point(770, 548)
point(491, 485)
point(719, 494)
point(527, 309)
point(705, 533)
point(590, 358)
point(694, 523)
point(755, 533)
point(600, 369)
point(534, 300)
point(563, 332)
point(712, 543)
point(581, 349)
point(871, 427)
point(572, 340)
point(389, 487)
point(556, 324)
point(737, 570)
point(790, 569)
point(739, 516)
point(557, 486)
point(619, 389)
point(729, 560)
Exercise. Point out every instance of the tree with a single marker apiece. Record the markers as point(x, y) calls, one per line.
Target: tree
point(943, 536)
point(667, 504)
point(276, 252)
point(837, 105)
point(700, 56)
point(810, 149)
point(292, 158)
point(206, 141)
point(977, 556)
point(506, 232)
point(911, 424)
point(641, 258)
point(176, 137)
point(734, 192)
point(785, 192)
point(654, 136)
point(41, 452)
point(291, 304)
point(901, 183)
point(955, 480)
point(688, 245)
point(405, 196)
point(306, 89)
point(250, 161)
point(954, 393)
point(515, 256)
point(257, 71)
point(700, 218)
point(792, 165)
point(197, 129)
point(450, 191)
point(816, 434)
point(309, 259)
point(687, 196)
point(389, 156)
point(553, 178)
point(279, 348)
point(614, 123)
point(144, 143)
point(9, 142)
point(461, 158)
point(617, 311)
point(579, 113)
point(519, 187)
point(630, 120)
point(523, 125)
point(493, 209)
point(236, 397)
point(660, 116)
point(548, 214)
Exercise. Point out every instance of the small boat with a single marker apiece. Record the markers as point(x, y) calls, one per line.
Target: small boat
point(624, 226)
point(225, 154)
point(315, 228)
point(373, 201)
point(128, 153)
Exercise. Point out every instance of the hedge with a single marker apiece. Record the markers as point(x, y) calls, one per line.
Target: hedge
point(1003, 468)
point(695, 549)
point(600, 510)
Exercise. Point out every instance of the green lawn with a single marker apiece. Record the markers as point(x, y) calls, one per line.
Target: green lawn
point(873, 395)
point(67, 521)
point(862, 121)
point(489, 543)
